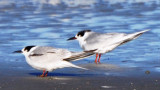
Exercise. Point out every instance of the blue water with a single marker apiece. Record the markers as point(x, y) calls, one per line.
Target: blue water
point(52, 22)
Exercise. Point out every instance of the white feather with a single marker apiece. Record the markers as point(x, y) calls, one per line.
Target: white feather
point(105, 42)
point(49, 58)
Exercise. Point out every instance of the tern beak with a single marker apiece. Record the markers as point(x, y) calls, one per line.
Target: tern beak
point(72, 38)
point(19, 51)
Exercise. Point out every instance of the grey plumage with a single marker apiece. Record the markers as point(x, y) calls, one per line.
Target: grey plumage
point(49, 58)
point(103, 42)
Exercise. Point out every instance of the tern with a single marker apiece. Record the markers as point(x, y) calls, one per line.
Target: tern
point(103, 42)
point(48, 58)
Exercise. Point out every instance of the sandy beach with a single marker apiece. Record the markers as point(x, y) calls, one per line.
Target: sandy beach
point(99, 77)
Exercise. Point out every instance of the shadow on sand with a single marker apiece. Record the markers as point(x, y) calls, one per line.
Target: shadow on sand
point(64, 74)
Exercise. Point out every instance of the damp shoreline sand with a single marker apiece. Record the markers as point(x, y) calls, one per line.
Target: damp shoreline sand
point(76, 79)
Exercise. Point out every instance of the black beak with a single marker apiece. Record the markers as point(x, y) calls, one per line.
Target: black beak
point(72, 38)
point(19, 51)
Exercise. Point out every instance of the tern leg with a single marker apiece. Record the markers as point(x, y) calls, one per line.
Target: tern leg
point(99, 57)
point(96, 58)
point(43, 73)
point(46, 74)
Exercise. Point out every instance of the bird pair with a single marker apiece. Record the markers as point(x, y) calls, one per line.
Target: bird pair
point(49, 58)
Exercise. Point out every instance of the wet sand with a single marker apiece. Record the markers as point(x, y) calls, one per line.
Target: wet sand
point(99, 77)
point(79, 83)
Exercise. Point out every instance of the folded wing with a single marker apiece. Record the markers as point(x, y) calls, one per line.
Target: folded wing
point(79, 55)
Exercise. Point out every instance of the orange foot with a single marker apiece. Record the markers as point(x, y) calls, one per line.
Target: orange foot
point(44, 74)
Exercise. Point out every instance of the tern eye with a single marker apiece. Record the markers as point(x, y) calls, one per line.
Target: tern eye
point(28, 48)
point(82, 33)
point(79, 35)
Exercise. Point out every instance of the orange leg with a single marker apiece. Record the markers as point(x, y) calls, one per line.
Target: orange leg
point(43, 73)
point(96, 58)
point(46, 74)
point(99, 57)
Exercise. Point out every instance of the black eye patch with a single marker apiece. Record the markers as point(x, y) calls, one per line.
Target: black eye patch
point(81, 33)
point(28, 48)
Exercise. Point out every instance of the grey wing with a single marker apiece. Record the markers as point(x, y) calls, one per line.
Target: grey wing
point(50, 53)
point(49, 56)
point(42, 54)
point(40, 50)
point(96, 40)
point(98, 37)
point(79, 55)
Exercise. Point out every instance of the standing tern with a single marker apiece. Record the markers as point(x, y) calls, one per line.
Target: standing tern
point(103, 42)
point(49, 58)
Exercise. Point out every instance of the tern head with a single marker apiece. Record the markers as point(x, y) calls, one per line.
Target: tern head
point(80, 35)
point(26, 50)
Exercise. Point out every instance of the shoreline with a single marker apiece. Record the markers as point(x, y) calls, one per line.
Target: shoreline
point(79, 83)
point(103, 76)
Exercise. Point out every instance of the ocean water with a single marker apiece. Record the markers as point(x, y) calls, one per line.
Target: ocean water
point(52, 22)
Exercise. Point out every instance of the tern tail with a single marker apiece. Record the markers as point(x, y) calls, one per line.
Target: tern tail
point(68, 64)
point(137, 34)
point(75, 66)
point(132, 36)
